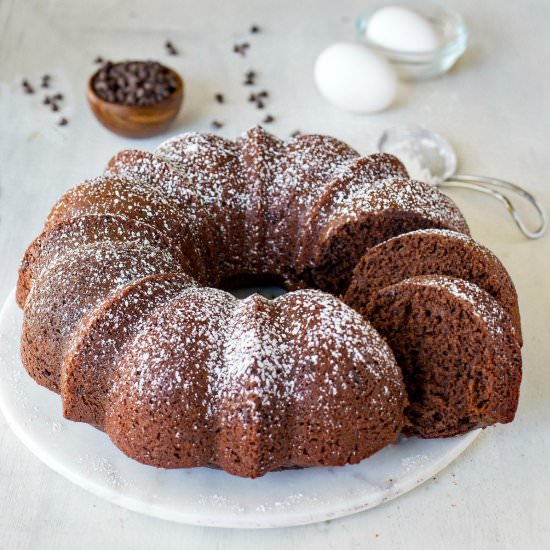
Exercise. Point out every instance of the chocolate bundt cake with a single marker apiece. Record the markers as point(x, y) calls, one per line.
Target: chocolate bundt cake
point(126, 318)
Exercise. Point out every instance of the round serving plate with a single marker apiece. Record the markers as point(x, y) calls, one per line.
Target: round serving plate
point(203, 496)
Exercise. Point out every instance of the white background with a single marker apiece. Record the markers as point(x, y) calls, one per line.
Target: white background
point(494, 107)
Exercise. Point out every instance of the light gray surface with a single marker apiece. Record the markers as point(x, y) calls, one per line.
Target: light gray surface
point(494, 108)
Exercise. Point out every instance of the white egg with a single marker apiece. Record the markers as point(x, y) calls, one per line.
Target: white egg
point(355, 78)
point(400, 28)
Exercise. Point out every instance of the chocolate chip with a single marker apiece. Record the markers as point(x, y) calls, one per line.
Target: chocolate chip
point(170, 48)
point(263, 94)
point(241, 48)
point(296, 133)
point(134, 82)
point(99, 60)
point(46, 81)
point(47, 100)
point(27, 87)
point(250, 77)
point(57, 97)
point(252, 98)
point(254, 29)
point(217, 124)
point(260, 104)
point(219, 98)
point(54, 106)
point(268, 119)
point(63, 122)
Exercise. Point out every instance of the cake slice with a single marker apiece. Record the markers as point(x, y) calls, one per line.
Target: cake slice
point(359, 174)
point(369, 216)
point(458, 350)
point(432, 252)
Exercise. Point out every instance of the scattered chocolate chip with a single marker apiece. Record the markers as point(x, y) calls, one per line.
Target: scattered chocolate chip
point(47, 100)
point(99, 60)
point(46, 81)
point(252, 98)
point(254, 29)
point(250, 78)
point(219, 98)
point(170, 48)
point(216, 124)
point(57, 97)
point(260, 104)
point(134, 82)
point(63, 122)
point(296, 133)
point(241, 48)
point(54, 106)
point(263, 94)
point(27, 87)
point(268, 119)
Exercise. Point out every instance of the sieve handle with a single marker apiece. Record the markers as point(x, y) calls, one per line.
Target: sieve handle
point(486, 185)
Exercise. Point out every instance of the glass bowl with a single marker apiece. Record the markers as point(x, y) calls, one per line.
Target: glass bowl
point(448, 24)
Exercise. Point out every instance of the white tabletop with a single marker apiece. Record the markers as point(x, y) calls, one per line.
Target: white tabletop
point(494, 107)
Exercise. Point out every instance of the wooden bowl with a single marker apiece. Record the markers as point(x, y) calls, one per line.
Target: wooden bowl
point(136, 120)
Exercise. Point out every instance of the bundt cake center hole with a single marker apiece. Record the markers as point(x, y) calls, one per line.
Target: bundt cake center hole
point(245, 284)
